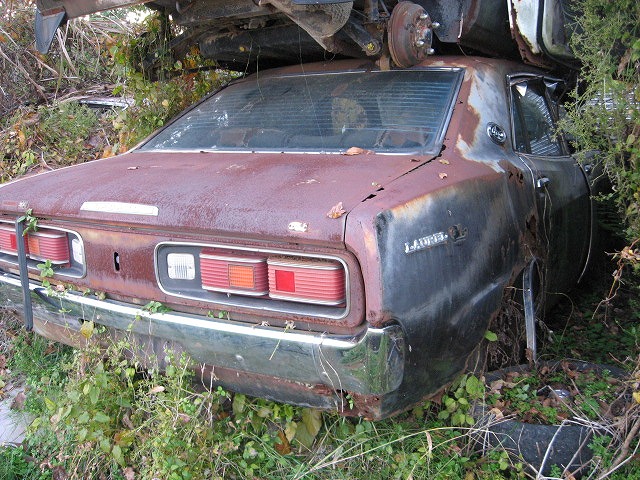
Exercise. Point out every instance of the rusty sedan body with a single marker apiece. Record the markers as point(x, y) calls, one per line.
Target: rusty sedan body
point(317, 231)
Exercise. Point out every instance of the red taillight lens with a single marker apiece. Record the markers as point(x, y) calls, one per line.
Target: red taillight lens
point(8, 241)
point(234, 274)
point(49, 245)
point(310, 281)
point(285, 281)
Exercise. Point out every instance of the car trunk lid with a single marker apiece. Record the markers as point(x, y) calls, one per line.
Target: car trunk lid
point(257, 195)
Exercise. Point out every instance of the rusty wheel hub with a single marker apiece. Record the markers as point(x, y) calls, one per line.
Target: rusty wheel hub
point(410, 34)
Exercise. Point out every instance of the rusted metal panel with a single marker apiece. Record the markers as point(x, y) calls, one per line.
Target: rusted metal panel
point(220, 193)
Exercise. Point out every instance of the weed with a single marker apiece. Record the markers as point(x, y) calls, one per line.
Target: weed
point(42, 363)
point(550, 395)
point(464, 391)
point(30, 221)
point(14, 466)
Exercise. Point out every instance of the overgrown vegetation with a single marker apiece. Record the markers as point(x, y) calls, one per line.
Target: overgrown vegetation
point(605, 112)
point(43, 122)
point(129, 421)
point(99, 414)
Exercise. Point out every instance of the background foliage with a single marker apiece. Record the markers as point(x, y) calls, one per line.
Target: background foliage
point(605, 112)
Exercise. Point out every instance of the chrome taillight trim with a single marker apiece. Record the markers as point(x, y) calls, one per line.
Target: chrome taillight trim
point(294, 264)
point(231, 258)
point(332, 303)
point(272, 305)
point(232, 291)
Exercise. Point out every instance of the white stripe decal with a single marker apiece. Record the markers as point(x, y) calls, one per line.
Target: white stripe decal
point(120, 207)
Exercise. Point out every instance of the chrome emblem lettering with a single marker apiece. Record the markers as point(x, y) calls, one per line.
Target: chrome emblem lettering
point(426, 242)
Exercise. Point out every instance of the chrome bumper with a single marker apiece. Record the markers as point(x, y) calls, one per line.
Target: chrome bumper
point(369, 363)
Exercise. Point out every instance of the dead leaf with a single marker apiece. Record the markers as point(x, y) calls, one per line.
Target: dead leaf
point(443, 161)
point(127, 421)
point(497, 413)
point(356, 151)
point(18, 401)
point(129, 474)
point(290, 430)
point(336, 211)
point(283, 447)
point(157, 389)
point(442, 176)
point(3, 362)
point(107, 152)
point(496, 386)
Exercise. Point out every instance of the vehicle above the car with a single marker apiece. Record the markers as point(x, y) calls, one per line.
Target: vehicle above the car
point(333, 234)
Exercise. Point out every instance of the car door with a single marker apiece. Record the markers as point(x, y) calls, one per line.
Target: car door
point(561, 187)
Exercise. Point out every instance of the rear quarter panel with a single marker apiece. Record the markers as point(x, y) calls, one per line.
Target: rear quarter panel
point(439, 245)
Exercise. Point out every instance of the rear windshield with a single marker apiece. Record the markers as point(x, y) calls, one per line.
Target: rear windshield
point(391, 111)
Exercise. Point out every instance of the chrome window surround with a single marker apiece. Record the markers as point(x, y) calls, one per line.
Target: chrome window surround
point(437, 143)
point(262, 304)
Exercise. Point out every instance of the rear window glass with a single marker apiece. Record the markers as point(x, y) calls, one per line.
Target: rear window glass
point(392, 111)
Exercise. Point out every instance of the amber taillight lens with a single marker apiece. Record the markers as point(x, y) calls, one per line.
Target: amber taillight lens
point(243, 274)
point(311, 281)
point(50, 245)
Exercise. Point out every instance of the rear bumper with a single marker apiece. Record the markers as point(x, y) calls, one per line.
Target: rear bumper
point(368, 363)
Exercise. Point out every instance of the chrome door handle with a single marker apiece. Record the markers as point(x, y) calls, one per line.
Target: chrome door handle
point(543, 182)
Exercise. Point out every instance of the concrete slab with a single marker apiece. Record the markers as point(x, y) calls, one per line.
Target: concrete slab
point(13, 424)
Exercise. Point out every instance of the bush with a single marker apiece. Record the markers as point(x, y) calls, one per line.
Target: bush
point(606, 113)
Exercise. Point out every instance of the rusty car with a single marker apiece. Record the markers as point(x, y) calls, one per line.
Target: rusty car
point(317, 231)
point(339, 234)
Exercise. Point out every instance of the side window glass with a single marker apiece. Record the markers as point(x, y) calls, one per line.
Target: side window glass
point(534, 129)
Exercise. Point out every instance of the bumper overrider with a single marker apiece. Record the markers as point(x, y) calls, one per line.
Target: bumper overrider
point(369, 363)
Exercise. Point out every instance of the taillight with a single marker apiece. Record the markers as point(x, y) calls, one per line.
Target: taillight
point(50, 245)
point(245, 274)
point(8, 241)
point(63, 248)
point(311, 281)
point(275, 281)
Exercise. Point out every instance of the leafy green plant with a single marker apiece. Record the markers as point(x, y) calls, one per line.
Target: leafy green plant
point(15, 466)
point(30, 221)
point(464, 391)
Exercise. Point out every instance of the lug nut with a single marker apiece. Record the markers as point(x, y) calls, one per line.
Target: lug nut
point(424, 16)
point(419, 43)
point(430, 51)
point(435, 25)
